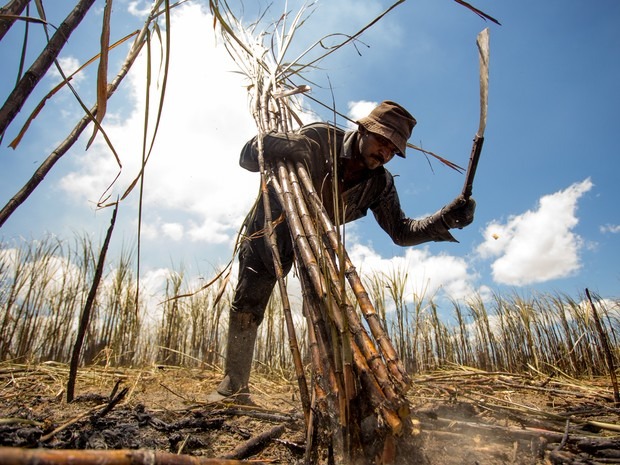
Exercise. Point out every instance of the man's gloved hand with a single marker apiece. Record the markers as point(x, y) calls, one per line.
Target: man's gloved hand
point(288, 146)
point(459, 213)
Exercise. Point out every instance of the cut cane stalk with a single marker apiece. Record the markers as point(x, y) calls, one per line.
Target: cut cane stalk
point(364, 353)
point(374, 322)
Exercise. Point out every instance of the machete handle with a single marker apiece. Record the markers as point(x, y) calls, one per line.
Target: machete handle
point(473, 164)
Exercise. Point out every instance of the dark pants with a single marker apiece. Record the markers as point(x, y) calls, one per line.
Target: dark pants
point(257, 276)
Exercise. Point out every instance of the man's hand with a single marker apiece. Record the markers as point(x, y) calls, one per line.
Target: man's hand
point(459, 213)
point(279, 146)
point(288, 146)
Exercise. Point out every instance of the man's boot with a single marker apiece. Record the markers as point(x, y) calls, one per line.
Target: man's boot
point(242, 329)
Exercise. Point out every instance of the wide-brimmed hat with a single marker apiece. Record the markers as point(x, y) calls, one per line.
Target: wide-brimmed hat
point(393, 122)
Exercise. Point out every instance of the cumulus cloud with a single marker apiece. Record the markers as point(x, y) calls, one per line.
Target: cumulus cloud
point(610, 229)
point(173, 230)
point(139, 8)
point(193, 169)
point(360, 109)
point(69, 65)
point(43, 268)
point(538, 245)
point(427, 275)
point(152, 291)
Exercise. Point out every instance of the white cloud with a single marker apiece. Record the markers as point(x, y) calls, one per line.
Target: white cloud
point(610, 228)
point(153, 284)
point(213, 232)
point(538, 245)
point(173, 230)
point(427, 275)
point(193, 169)
point(139, 8)
point(41, 268)
point(68, 64)
point(360, 109)
point(148, 230)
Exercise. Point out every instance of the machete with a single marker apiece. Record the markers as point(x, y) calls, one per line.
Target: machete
point(483, 53)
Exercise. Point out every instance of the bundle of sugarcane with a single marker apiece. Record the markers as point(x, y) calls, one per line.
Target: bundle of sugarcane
point(356, 405)
point(358, 402)
point(359, 382)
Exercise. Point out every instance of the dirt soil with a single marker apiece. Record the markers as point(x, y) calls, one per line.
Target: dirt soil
point(465, 416)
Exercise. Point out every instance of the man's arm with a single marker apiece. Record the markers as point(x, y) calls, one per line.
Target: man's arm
point(406, 231)
point(278, 146)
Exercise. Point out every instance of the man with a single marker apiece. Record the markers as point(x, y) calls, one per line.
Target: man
point(356, 159)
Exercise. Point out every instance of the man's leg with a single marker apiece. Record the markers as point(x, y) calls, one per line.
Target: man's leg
point(242, 329)
point(251, 297)
point(254, 288)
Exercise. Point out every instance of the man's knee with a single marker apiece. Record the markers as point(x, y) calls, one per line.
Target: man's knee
point(251, 316)
point(252, 296)
point(257, 276)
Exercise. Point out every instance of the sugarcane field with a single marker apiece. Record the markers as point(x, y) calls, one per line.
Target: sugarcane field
point(290, 348)
point(466, 401)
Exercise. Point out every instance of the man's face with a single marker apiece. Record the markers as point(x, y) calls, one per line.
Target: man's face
point(375, 150)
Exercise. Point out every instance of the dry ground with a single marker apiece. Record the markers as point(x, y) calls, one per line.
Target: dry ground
point(466, 416)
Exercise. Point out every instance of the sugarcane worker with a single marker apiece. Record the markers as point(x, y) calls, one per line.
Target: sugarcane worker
point(358, 157)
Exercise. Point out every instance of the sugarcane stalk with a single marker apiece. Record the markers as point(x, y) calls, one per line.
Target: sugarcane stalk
point(376, 384)
point(394, 364)
point(27, 83)
point(86, 312)
point(350, 318)
point(303, 247)
point(297, 232)
point(325, 360)
point(286, 308)
point(313, 293)
point(372, 318)
point(324, 374)
point(325, 366)
point(22, 195)
point(255, 444)
point(9, 14)
point(312, 271)
point(374, 323)
point(609, 358)
point(19, 456)
point(362, 340)
point(374, 376)
point(311, 455)
point(339, 336)
point(373, 390)
point(353, 324)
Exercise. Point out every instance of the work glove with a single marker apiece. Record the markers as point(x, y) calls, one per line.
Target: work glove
point(458, 213)
point(279, 146)
point(288, 147)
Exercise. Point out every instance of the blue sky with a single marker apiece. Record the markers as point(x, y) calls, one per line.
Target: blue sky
point(547, 184)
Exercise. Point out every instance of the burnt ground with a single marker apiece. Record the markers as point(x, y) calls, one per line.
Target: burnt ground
point(466, 416)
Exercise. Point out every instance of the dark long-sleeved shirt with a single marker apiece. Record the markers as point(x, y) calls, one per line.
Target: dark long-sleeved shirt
point(324, 149)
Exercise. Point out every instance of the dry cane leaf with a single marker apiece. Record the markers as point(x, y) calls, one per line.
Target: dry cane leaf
point(102, 74)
